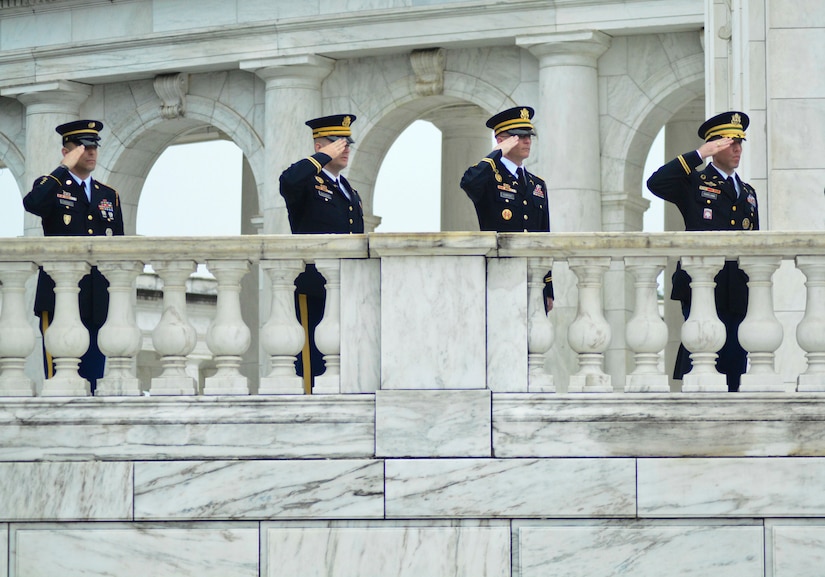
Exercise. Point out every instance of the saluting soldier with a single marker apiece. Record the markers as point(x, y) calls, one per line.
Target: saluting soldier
point(320, 200)
point(508, 197)
point(714, 198)
point(71, 203)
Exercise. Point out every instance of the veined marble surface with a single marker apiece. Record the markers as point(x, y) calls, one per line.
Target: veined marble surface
point(796, 547)
point(298, 426)
point(438, 551)
point(432, 424)
point(431, 337)
point(108, 549)
point(510, 488)
point(507, 324)
point(259, 489)
point(360, 326)
point(65, 491)
point(729, 487)
point(635, 550)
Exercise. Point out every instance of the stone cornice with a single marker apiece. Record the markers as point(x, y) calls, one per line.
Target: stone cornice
point(222, 47)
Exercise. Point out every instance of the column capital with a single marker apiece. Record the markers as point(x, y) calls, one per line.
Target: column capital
point(580, 48)
point(291, 71)
point(60, 96)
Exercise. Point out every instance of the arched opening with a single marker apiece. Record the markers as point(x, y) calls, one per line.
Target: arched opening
point(11, 205)
point(408, 186)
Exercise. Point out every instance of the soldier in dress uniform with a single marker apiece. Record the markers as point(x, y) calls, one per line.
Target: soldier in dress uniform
point(507, 197)
point(71, 203)
point(320, 200)
point(714, 198)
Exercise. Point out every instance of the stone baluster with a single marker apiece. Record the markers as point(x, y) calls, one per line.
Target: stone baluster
point(703, 334)
point(17, 337)
point(589, 333)
point(809, 332)
point(174, 337)
point(761, 332)
point(228, 337)
point(282, 336)
point(540, 334)
point(120, 337)
point(66, 338)
point(646, 332)
point(328, 331)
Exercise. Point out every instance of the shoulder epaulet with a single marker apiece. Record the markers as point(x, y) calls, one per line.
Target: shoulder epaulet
point(317, 164)
point(684, 164)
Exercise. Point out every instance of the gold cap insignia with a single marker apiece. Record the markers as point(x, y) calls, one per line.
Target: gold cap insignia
point(736, 119)
point(91, 125)
point(525, 114)
point(347, 121)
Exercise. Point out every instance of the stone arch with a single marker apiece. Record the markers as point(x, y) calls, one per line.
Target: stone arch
point(392, 106)
point(14, 160)
point(140, 138)
point(643, 103)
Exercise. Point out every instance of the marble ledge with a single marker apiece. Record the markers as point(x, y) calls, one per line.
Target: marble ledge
point(433, 244)
point(672, 244)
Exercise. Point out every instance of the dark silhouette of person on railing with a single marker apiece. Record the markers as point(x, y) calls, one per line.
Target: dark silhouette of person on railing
point(320, 200)
point(713, 199)
point(71, 203)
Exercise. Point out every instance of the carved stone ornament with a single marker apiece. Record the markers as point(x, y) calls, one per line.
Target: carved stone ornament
point(171, 89)
point(428, 66)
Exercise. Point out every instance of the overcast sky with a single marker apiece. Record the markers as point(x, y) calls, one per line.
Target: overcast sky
point(194, 189)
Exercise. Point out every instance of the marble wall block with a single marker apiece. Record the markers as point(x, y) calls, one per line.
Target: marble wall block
point(796, 548)
point(360, 326)
point(758, 487)
point(433, 322)
point(177, 428)
point(400, 551)
point(90, 490)
point(433, 424)
point(4, 550)
point(109, 549)
point(635, 550)
point(507, 324)
point(511, 488)
point(259, 489)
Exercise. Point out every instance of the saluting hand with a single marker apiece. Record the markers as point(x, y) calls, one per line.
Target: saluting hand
point(335, 149)
point(72, 157)
point(506, 145)
point(713, 146)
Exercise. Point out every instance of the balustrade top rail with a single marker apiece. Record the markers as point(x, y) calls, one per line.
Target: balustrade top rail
point(785, 244)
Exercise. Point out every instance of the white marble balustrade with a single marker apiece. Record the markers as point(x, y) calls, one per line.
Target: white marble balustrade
point(447, 311)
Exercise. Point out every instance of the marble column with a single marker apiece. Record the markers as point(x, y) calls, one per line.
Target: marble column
point(293, 96)
point(761, 333)
point(646, 332)
point(17, 337)
point(589, 334)
point(228, 337)
point(66, 338)
point(174, 337)
point(540, 331)
point(120, 337)
point(809, 333)
point(47, 106)
point(465, 140)
point(703, 333)
point(567, 123)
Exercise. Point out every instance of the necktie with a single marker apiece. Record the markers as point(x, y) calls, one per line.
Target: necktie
point(85, 190)
point(522, 179)
point(732, 185)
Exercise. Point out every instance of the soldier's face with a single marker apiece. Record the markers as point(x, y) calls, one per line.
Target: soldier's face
point(728, 158)
point(520, 151)
point(88, 160)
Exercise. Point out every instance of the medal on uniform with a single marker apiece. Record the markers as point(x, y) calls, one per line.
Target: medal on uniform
point(746, 223)
point(538, 191)
point(498, 177)
point(319, 180)
point(67, 218)
point(506, 214)
point(707, 214)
